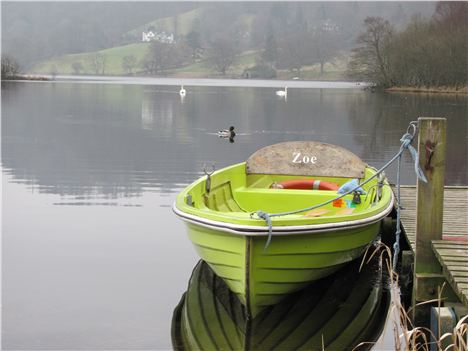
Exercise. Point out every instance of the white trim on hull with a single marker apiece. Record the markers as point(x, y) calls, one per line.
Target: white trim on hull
point(249, 230)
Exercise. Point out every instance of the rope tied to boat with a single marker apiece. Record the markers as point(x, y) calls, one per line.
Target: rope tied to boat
point(405, 140)
point(267, 217)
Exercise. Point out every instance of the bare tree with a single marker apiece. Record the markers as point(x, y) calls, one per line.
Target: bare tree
point(129, 62)
point(158, 58)
point(370, 60)
point(295, 51)
point(10, 68)
point(270, 50)
point(54, 71)
point(77, 67)
point(450, 30)
point(428, 52)
point(162, 57)
point(223, 54)
point(451, 15)
point(103, 66)
point(98, 63)
point(193, 40)
point(325, 46)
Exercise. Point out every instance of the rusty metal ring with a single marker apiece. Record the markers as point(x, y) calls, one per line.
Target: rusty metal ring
point(206, 172)
point(413, 125)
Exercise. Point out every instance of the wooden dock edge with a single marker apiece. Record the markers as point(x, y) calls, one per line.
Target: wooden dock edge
point(430, 213)
point(452, 259)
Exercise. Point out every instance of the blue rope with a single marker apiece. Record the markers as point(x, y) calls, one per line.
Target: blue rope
point(405, 144)
point(267, 218)
point(396, 244)
point(406, 140)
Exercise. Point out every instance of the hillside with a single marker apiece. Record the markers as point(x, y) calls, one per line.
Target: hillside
point(183, 22)
point(63, 65)
point(114, 56)
point(113, 60)
point(36, 31)
point(210, 22)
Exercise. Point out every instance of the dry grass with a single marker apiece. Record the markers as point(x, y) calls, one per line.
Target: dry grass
point(408, 337)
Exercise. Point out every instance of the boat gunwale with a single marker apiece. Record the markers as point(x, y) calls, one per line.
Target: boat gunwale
point(249, 230)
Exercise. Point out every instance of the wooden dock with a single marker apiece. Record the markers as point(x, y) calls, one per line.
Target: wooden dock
point(452, 251)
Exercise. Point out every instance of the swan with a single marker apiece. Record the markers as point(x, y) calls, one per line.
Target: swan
point(225, 133)
point(182, 91)
point(282, 92)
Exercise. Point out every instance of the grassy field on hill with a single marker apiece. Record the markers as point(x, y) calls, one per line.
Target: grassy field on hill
point(63, 65)
point(113, 66)
point(184, 24)
point(114, 56)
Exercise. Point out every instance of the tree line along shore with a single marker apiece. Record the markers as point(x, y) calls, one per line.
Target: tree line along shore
point(427, 55)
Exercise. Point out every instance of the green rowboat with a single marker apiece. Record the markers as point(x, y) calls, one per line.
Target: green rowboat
point(218, 208)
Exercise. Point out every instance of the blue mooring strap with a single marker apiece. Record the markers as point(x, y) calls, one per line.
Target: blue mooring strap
point(406, 140)
point(396, 244)
point(267, 218)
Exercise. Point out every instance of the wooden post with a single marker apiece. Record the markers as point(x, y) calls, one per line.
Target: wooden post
point(443, 320)
point(429, 207)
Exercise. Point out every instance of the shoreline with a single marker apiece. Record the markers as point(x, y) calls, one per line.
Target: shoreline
point(429, 90)
point(230, 81)
point(181, 76)
point(41, 78)
point(218, 82)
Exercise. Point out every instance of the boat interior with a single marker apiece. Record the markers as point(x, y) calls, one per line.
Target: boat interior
point(232, 190)
point(233, 193)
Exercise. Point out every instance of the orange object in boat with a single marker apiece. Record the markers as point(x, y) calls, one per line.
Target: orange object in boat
point(311, 184)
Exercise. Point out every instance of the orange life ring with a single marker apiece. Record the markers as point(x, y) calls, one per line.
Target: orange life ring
point(310, 184)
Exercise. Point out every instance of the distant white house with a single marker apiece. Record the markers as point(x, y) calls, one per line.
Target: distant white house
point(328, 26)
point(147, 36)
point(162, 37)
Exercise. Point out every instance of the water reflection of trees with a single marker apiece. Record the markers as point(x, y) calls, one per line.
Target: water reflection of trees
point(92, 140)
point(386, 116)
point(118, 140)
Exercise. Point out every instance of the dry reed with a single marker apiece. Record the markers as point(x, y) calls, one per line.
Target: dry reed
point(408, 337)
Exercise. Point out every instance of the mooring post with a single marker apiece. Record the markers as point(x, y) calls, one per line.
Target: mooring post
point(429, 212)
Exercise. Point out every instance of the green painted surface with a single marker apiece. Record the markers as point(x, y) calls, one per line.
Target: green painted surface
point(291, 262)
point(345, 309)
point(262, 277)
point(252, 193)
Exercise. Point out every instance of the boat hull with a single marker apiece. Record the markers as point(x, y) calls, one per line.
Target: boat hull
point(267, 241)
point(261, 277)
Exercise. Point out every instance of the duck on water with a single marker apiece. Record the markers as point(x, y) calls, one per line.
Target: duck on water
point(227, 133)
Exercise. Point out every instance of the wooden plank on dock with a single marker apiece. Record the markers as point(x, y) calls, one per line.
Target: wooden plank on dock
point(452, 254)
point(456, 274)
point(455, 212)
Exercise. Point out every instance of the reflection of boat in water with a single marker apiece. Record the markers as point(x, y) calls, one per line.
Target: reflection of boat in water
point(305, 246)
point(343, 309)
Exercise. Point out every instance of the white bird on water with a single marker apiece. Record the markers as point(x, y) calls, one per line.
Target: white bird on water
point(282, 92)
point(182, 91)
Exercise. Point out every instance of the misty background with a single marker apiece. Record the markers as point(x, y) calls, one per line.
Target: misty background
point(292, 34)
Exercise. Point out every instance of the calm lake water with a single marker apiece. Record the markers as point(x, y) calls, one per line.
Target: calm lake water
point(93, 257)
